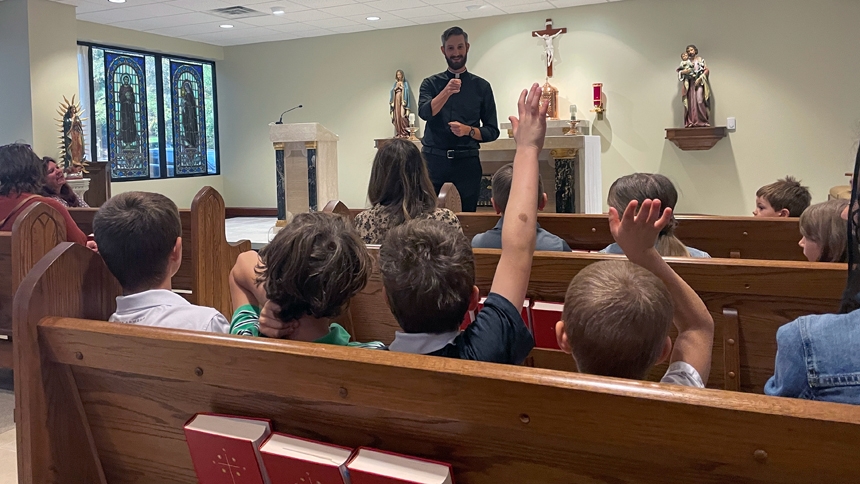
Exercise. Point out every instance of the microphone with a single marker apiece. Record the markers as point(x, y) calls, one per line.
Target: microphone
point(281, 119)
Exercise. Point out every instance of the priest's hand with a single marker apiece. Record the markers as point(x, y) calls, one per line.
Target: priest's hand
point(453, 87)
point(459, 129)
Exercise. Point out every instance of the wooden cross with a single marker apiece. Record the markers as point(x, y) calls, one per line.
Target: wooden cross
point(548, 34)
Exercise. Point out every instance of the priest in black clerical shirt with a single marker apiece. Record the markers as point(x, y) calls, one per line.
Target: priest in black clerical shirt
point(460, 112)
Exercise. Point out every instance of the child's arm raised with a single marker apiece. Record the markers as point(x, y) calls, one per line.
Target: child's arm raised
point(520, 227)
point(636, 234)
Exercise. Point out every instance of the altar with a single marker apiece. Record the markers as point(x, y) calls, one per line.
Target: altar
point(570, 167)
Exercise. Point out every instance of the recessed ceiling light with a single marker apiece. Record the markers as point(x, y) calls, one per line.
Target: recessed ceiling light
point(472, 8)
point(116, 1)
point(277, 10)
point(372, 18)
point(226, 26)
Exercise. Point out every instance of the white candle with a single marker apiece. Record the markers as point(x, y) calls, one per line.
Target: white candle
point(573, 111)
point(411, 119)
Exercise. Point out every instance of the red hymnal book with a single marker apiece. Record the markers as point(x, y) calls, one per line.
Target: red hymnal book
point(544, 318)
point(225, 449)
point(371, 466)
point(470, 316)
point(293, 460)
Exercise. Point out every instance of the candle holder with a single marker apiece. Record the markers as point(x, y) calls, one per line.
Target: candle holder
point(412, 131)
point(574, 128)
point(597, 89)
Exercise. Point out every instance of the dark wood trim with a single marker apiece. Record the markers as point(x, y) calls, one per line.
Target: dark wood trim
point(233, 212)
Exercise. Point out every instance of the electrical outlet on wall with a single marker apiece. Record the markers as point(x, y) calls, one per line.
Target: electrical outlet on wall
point(732, 123)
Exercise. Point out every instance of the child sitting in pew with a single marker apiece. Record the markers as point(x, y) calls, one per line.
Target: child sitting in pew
point(824, 235)
point(428, 269)
point(138, 235)
point(492, 239)
point(644, 186)
point(785, 197)
point(302, 280)
point(617, 314)
point(816, 355)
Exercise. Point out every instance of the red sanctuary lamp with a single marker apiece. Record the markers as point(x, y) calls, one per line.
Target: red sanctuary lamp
point(597, 89)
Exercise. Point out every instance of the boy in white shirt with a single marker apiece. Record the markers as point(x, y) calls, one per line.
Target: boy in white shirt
point(617, 314)
point(139, 237)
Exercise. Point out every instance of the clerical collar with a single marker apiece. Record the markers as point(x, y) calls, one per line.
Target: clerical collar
point(454, 74)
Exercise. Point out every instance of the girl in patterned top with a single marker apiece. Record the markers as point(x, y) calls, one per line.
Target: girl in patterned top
point(399, 190)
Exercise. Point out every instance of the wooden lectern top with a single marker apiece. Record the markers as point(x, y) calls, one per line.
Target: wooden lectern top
point(299, 132)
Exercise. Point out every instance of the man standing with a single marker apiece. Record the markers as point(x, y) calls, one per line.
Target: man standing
point(460, 112)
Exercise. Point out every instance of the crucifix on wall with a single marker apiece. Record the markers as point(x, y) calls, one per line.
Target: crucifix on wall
point(548, 35)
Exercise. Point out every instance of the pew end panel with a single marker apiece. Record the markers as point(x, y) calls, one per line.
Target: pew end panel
point(449, 198)
point(37, 230)
point(212, 257)
point(72, 281)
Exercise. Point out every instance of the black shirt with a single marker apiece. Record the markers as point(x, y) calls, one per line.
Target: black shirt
point(473, 106)
point(498, 335)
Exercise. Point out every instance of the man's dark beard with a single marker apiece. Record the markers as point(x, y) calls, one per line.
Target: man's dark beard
point(456, 66)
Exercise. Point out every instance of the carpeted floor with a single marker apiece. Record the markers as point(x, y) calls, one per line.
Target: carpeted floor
point(7, 400)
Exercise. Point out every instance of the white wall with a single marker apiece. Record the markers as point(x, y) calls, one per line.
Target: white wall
point(180, 190)
point(784, 68)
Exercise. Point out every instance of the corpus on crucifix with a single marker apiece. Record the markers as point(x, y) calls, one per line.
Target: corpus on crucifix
point(548, 35)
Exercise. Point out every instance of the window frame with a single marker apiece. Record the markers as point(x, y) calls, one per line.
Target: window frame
point(162, 145)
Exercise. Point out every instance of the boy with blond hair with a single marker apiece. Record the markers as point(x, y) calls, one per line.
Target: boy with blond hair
point(785, 197)
point(617, 314)
point(428, 270)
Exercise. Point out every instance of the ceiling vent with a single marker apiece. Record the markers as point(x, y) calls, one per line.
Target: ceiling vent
point(236, 12)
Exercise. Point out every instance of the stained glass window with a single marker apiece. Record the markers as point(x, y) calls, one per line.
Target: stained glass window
point(154, 116)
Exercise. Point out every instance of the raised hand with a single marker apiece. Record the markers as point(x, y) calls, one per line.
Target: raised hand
point(530, 126)
point(636, 233)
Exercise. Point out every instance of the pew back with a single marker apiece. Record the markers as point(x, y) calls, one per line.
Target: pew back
point(36, 231)
point(101, 402)
point(749, 301)
point(207, 257)
point(721, 237)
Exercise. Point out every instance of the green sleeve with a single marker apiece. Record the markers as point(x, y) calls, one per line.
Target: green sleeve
point(246, 321)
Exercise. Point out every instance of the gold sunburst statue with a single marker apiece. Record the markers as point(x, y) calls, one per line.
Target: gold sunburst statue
point(72, 152)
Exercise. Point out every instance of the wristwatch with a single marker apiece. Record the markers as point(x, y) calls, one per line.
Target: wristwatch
point(471, 131)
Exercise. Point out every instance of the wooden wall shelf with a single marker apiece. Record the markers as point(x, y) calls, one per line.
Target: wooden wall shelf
point(696, 139)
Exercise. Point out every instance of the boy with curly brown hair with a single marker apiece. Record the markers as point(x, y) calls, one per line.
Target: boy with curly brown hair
point(303, 279)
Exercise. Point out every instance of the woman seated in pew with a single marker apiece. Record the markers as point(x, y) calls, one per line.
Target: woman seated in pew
point(301, 281)
point(22, 175)
point(56, 187)
point(816, 355)
point(399, 190)
point(823, 231)
point(651, 186)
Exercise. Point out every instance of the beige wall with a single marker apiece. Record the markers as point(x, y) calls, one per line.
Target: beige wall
point(53, 69)
point(39, 67)
point(180, 190)
point(16, 121)
point(784, 68)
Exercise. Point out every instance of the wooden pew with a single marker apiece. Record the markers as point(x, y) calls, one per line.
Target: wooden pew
point(36, 231)
point(98, 402)
point(748, 299)
point(207, 257)
point(721, 237)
